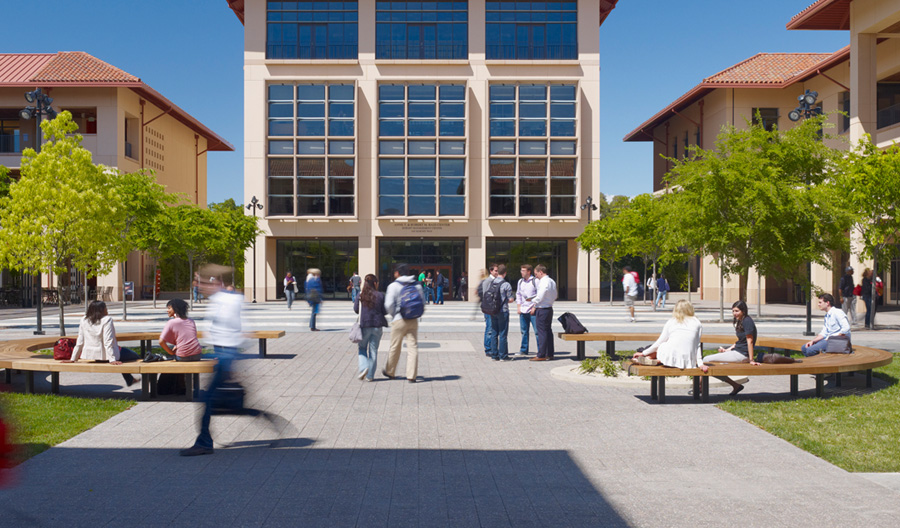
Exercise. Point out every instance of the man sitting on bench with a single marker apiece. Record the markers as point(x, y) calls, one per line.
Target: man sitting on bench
point(836, 327)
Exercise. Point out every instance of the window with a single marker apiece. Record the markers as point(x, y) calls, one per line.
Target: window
point(888, 104)
point(421, 30)
point(532, 166)
point(532, 30)
point(10, 131)
point(767, 116)
point(844, 106)
point(422, 150)
point(311, 30)
point(85, 118)
point(311, 150)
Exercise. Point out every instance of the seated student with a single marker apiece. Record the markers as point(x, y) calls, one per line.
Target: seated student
point(835, 325)
point(679, 343)
point(742, 350)
point(97, 340)
point(180, 331)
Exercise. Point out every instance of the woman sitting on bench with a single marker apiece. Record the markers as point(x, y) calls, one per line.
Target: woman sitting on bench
point(742, 350)
point(97, 340)
point(181, 331)
point(679, 344)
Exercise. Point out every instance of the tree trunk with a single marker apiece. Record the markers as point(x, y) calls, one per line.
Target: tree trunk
point(124, 297)
point(743, 278)
point(758, 294)
point(721, 292)
point(85, 293)
point(155, 274)
point(59, 301)
point(191, 281)
point(652, 300)
point(645, 282)
point(234, 270)
point(690, 276)
point(611, 281)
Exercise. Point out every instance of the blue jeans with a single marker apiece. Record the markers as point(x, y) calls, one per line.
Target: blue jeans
point(197, 295)
point(368, 350)
point(440, 295)
point(314, 311)
point(429, 294)
point(354, 293)
point(500, 329)
point(815, 349)
point(289, 295)
point(225, 357)
point(526, 320)
point(662, 295)
point(488, 333)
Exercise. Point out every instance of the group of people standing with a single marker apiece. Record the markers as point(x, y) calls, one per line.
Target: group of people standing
point(850, 292)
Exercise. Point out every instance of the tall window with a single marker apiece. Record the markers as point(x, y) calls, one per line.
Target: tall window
point(767, 116)
point(421, 30)
point(10, 133)
point(532, 150)
point(311, 150)
point(532, 30)
point(421, 150)
point(311, 30)
point(844, 106)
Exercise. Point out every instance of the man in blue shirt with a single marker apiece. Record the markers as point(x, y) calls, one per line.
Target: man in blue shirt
point(836, 324)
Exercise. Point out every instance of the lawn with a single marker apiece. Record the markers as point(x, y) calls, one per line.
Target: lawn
point(40, 421)
point(856, 433)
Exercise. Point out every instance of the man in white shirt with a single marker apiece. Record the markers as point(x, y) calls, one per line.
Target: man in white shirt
point(543, 311)
point(525, 292)
point(836, 325)
point(629, 284)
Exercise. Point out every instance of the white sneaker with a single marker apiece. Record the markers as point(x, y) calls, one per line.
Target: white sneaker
point(632, 319)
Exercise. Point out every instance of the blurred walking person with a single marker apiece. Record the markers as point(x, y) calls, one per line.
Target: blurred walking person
point(372, 320)
point(314, 291)
point(290, 289)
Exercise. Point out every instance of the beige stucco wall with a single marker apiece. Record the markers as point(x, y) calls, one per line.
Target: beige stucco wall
point(367, 72)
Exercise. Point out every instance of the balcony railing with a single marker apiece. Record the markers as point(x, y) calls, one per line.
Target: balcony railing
point(422, 51)
point(513, 52)
point(293, 51)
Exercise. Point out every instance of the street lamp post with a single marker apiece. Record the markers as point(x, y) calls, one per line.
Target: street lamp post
point(590, 206)
point(805, 110)
point(41, 108)
point(254, 205)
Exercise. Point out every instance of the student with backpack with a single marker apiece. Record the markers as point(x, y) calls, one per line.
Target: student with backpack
point(483, 287)
point(404, 301)
point(495, 302)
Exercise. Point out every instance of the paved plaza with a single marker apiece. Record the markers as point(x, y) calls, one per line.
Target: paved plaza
point(474, 443)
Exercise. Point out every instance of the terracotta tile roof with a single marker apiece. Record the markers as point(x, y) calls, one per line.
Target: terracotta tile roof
point(768, 68)
point(78, 66)
point(20, 67)
point(823, 14)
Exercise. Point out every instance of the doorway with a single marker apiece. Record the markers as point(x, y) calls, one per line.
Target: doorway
point(438, 254)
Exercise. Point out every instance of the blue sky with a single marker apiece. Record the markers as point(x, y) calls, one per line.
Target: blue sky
point(651, 52)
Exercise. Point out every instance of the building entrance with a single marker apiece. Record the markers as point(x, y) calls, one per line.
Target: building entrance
point(429, 255)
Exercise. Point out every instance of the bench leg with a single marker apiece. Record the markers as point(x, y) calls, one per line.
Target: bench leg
point(820, 385)
point(869, 379)
point(54, 382)
point(705, 391)
point(579, 350)
point(153, 379)
point(837, 379)
point(8, 376)
point(188, 387)
point(795, 385)
point(196, 386)
point(661, 391)
point(653, 385)
point(262, 348)
point(696, 390)
point(145, 386)
point(29, 382)
point(143, 349)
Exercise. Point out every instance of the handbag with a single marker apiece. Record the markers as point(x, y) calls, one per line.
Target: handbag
point(355, 332)
point(838, 345)
point(62, 350)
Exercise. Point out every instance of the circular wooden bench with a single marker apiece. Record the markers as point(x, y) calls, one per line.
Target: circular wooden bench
point(862, 359)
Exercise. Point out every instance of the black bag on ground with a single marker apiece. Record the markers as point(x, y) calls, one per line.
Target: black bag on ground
point(228, 398)
point(571, 324)
point(171, 385)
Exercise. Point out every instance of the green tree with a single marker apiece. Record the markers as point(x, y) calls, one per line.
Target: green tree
point(238, 232)
point(62, 211)
point(195, 233)
point(604, 236)
point(868, 185)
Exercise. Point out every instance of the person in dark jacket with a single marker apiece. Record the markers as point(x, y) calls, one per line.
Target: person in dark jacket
point(314, 292)
point(867, 295)
point(370, 307)
point(848, 298)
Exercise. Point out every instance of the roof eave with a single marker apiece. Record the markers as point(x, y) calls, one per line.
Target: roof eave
point(214, 141)
point(822, 15)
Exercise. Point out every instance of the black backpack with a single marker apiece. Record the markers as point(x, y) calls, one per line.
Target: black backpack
point(571, 324)
point(491, 303)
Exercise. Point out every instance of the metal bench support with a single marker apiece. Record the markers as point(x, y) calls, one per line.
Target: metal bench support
point(820, 385)
point(29, 382)
point(262, 348)
point(653, 380)
point(8, 376)
point(611, 349)
point(661, 390)
point(837, 379)
point(705, 390)
point(145, 386)
point(696, 391)
point(579, 350)
point(795, 389)
point(54, 382)
point(188, 387)
point(869, 379)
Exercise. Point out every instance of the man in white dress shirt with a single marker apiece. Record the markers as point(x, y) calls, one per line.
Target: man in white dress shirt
point(543, 310)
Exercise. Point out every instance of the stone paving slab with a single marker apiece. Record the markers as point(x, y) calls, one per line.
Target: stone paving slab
point(474, 443)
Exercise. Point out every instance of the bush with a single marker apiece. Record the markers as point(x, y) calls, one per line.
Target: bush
point(603, 364)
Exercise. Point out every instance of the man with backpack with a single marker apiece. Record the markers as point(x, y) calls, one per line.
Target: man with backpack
point(495, 300)
point(526, 289)
point(488, 327)
point(404, 300)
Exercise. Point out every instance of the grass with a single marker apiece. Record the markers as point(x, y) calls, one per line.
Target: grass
point(857, 433)
point(40, 421)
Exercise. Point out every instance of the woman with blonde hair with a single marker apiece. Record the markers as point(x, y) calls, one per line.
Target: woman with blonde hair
point(679, 343)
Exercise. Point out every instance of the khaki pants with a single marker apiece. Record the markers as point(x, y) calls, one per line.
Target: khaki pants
point(400, 329)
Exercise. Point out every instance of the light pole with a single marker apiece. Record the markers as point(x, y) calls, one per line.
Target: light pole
point(254, 205)
point(590, 206)
point(805, 110)
point(41, 108)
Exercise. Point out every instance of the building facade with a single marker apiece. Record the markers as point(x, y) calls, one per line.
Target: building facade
point(440, 134)
point(125, 124)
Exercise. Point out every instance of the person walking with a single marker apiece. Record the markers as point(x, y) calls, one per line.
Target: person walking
point(543, 310)
point(866, 291)
point(314, 291)
point(526, 289)
point(500, 320)
point(848, 298)
point(439, 283)
point(429, 288)
point(651, 289)
point(464, 287)
point(355, 283)
point(488, 326)
point(372, 320)
point(662, 291)
point(629, 284)
point(404, 295)
point(290, 289)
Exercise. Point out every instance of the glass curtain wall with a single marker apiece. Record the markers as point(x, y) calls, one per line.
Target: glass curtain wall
point(421, 255)
point(337, 259)
point(312, 30)
point(421, 30)
point(514, 253)
point(531, 30)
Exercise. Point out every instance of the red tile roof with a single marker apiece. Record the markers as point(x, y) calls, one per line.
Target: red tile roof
point(764, 70)
point(76, 68)
point(823, 14)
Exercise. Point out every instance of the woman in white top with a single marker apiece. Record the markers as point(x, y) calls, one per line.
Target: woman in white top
point(679, 344)
point(97, 340)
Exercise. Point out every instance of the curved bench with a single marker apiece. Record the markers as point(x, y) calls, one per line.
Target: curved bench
point(20, 355)
point(862, 359)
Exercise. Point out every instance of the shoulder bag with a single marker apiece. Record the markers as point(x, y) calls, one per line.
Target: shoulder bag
point(355, 330)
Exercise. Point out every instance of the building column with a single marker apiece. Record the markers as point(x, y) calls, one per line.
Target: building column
point(863, 86)
point(477, 254)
